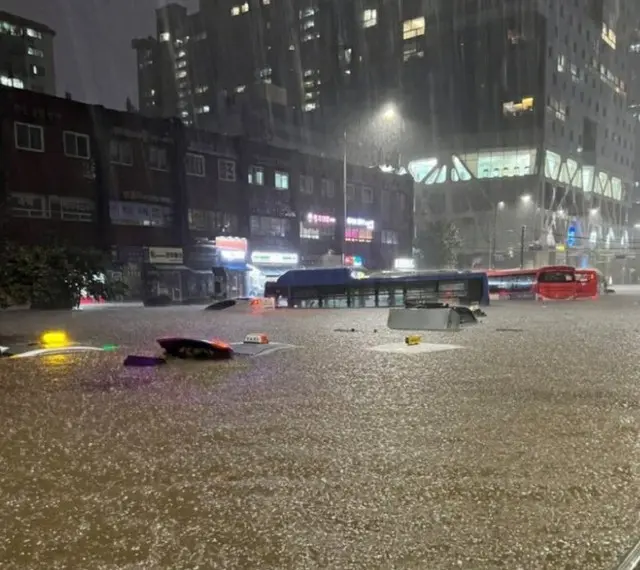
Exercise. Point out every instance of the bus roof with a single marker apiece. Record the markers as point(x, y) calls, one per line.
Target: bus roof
point(343, 275)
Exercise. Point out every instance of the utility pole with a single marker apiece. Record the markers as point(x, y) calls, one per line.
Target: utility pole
point(344, 198)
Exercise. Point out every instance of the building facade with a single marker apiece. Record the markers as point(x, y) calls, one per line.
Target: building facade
point(529, 115)
point(152, 188)
point(26, 54)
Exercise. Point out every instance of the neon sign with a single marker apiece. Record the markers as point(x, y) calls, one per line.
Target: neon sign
point(361, 223)
point(274, 258)
point(404, 264)
point(320, 219)
point(353, 261)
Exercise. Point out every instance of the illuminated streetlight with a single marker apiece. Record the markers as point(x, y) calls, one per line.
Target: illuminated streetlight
point(501, 205)
point(560, 213)
point(594, 211)
point(389, 112)
point(526, 198)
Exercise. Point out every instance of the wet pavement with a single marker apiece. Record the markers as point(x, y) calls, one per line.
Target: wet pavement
point(518, 450)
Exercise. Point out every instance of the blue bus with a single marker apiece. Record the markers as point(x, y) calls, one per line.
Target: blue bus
point(342, 288)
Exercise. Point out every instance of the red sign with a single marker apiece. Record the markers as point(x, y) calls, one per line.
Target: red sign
point(232, 243)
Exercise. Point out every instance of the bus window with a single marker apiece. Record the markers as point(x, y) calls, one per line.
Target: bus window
point(556, 277)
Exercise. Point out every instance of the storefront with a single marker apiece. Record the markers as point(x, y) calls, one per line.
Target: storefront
point(268, 266)
point(359, 241)
point(162, 275)
point(231, 259)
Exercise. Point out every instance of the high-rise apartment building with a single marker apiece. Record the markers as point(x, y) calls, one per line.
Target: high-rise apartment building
point(26, 54)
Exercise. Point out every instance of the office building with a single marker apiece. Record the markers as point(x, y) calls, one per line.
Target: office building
point(26, 54)
point(530, 125)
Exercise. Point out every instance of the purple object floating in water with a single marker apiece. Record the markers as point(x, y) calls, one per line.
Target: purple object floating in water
point(135, 360)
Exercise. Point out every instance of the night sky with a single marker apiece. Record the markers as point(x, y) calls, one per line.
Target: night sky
point(94, 59)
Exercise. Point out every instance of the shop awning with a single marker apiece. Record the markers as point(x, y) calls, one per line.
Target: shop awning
point(236, 266)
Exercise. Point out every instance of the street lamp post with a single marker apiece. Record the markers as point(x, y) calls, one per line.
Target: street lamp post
point(344, 198)
point(388, 113)
point(494, 235)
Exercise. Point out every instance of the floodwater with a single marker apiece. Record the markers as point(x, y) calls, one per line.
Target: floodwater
point(519, 450)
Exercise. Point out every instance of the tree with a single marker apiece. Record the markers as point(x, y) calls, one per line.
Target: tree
point(53, 277)
point(438, 245)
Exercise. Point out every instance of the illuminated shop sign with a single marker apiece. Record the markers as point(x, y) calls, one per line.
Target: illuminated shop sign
point(320, 219)
point(404, 264)
point(274, 258)
point(232, 248)
point(361, 223)
point(353, 261)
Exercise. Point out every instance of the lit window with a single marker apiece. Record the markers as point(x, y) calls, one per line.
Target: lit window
point(181, 74)
point(310, 107)
point(235, 11)
point(76, 145)
point(369, 18)
point(562, 63)
point(265, 74)
point(202, 89)
point(7, 28)
point(244, 8)
point(413, 28)
point(511, 108)
point(608, 36)
point(11, 82)
point(240, 88)
point(203, 109)
point(35, 52)
point(281, 180)
point(165, 36)
point(266, 2)
point(34, 34)
point(256, 175)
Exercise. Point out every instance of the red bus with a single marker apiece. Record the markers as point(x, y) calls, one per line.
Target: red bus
point(551, 282)
point(512, 284)
point(557, 283)
point(591, 283)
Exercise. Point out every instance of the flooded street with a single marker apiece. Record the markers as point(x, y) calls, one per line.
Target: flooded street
point(518, 450)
